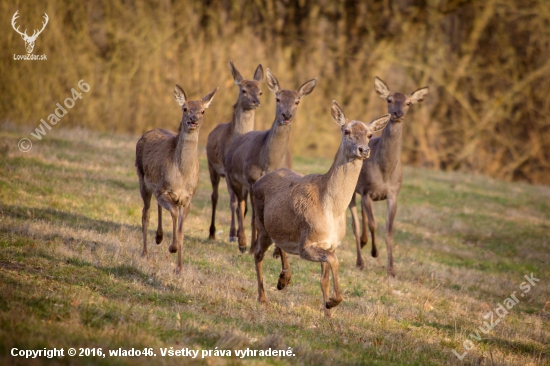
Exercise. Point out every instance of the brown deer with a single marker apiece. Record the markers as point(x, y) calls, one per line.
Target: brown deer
point(221, 138)
point(382, 174)
point(306, 215)
point(168, 167)
point(259, 152)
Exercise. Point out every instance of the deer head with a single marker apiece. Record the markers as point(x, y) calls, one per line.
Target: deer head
point(249, 90)
point(29, 41)
point(356, 134)
point(399, 103)
point(288, 100)
point(193, 110)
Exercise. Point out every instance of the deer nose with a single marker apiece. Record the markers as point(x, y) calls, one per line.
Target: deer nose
point(364, 151)
point(193, 119)
point(398, 114)
point(287, 116)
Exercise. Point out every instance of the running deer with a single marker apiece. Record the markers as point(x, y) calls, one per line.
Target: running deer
point(259, 152)
point(382, 174)
point(168, 166)
point(306, 215)
point(221, 138)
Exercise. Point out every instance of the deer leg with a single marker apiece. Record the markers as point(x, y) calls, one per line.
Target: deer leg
point(390, 216)
point(215, 181)
point(316, 254)
point(246, 201)
point(364, 224)
point(325, 284)
point(182, 214)
point(277, 252)
point(337, 295)
point(240, 217)
point(284, 276)
point(233, 205)
point(262, 244)
point(146, 196)
point(254, 231)
point(166, 202)
point(367, 207)
point(355, 226)
point(158, 237)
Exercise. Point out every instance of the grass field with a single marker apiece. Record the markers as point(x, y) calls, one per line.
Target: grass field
point(71, 274)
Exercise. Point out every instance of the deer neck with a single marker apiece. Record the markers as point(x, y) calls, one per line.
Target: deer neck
point(186, 154)
point(339, 182)
point(274, 150)
point(390, 146)
point(242, 122)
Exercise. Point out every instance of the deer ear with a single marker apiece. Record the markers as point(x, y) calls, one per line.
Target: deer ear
point(259, 73)
point(272, 82)
point(419, 95)
point(237, 77)
point(208, 98)
point(379, 123)
point(381, 88)
point(307, 87)
point(179, 94)
point(338, 114)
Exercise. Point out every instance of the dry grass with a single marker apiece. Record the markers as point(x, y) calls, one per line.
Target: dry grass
point(486, 63)
point(72, 276)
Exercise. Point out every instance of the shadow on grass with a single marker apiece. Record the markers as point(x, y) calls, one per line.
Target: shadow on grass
point(74, 221)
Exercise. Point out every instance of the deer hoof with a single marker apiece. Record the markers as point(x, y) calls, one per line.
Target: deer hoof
point(332, 302)
point(232, 239)
point(178, 270)
point(242, 249)
point(360, 265)
point(363, 243)
point(144, 254)
point(283, 281)
point(158, 238)
point(391, 272)
point(173, 249)
point(374, 253)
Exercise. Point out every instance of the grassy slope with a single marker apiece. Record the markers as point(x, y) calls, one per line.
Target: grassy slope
point(71, 274)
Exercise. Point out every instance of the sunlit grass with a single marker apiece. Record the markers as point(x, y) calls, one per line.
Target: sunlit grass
point(72, 275)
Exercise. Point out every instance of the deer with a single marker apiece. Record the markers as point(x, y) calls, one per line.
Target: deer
point(221, 138)
point(382, 175)
point(306, 215)
point(29, 41)
point(258, 152)
point(167, 165)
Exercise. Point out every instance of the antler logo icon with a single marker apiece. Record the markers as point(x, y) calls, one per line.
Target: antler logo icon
point(29, 41)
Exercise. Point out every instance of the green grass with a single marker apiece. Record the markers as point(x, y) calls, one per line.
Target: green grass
point(71, 274)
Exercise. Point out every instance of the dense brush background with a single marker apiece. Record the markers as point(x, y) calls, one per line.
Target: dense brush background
point(487, 64)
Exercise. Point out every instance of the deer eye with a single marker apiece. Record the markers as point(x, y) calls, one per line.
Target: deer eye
point(202, 112)
point(278, 100)
point(244, 91)
point(389, 100)
point(297, 102)
point(408, 103)
point(261, 93)
point(184, 109)
point(347, 132)
point(369, 135)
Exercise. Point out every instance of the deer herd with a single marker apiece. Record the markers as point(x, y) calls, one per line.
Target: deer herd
point(301, 215)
